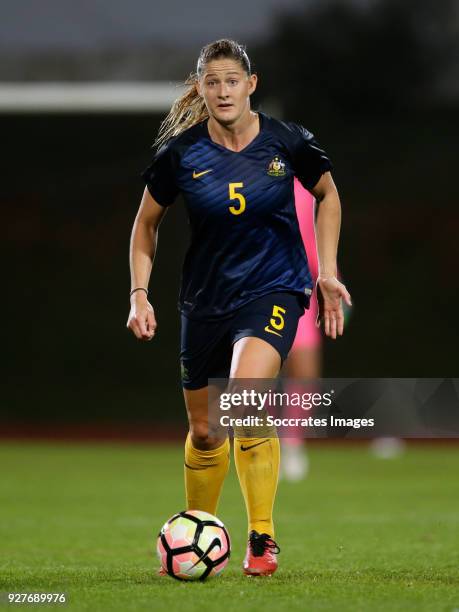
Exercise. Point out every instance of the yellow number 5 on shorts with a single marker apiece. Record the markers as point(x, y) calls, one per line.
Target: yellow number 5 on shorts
point(276, 321)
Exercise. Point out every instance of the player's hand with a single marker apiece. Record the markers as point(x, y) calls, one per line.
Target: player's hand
point(330, 292)
point(141, 320)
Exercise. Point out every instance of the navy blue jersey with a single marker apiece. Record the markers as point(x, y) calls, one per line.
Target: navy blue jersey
point(245, 238)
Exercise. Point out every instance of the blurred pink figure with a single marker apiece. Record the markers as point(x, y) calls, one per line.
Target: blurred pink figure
point(308, 335)
point(305, 357)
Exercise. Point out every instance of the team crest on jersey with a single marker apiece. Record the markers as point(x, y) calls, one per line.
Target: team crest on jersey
point(276, 167)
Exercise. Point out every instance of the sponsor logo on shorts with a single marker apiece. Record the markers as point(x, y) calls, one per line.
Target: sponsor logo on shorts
point(271, 331)
point(184, 372)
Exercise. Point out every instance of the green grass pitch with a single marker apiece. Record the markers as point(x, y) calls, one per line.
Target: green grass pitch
point(360, 534)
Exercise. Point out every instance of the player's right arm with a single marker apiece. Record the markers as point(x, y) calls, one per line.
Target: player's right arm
point(144, 238)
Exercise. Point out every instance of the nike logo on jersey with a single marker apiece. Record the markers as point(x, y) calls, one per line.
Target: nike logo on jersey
point(246, 448)
point(271, 331)
point(198, 174)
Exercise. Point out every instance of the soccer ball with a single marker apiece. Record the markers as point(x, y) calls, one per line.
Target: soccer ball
point(193, 545)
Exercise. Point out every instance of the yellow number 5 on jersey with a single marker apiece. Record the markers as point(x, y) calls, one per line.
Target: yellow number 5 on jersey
point(233, 195)
point(276, 320)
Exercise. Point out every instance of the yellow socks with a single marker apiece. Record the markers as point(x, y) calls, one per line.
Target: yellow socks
point(205, 472)
point(257, 463)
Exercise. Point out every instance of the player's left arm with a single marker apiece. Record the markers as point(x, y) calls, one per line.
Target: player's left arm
point(330, 291)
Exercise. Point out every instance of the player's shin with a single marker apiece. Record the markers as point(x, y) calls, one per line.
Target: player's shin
point(205, 471)
point(257, 463)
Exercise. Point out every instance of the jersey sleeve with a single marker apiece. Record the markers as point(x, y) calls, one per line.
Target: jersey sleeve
point(309, 160)
point(160, 177)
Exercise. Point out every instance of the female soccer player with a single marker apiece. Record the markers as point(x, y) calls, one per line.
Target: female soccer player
point(245, 280)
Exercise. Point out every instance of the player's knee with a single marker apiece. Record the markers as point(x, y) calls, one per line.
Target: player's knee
point(199, 431)
point(202, 437)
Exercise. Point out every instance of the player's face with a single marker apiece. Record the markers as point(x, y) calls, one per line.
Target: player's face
point(226, 89)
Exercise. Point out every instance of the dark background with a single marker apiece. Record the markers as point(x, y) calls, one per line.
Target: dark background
point(377, 88)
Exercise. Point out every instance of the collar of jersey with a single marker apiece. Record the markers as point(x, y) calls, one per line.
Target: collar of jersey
point(262, 122)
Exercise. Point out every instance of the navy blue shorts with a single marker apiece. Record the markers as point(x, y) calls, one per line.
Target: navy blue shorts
point(207, 346)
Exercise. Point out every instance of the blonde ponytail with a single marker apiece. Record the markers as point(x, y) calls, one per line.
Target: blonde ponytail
point(186, 111)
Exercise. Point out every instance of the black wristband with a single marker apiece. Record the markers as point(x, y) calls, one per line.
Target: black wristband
point(138, 289)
